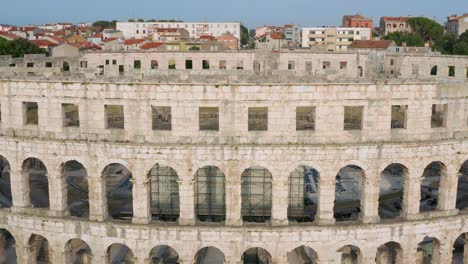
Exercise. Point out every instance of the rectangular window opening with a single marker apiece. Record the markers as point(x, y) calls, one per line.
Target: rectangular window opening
point(451, 71)
point(114, 62)
point(30, 113)
point(154, 64)
point(258, 119)
point(305, 118)
point(48, 64)
point(161, 116)
point(240, 65)
point(209, 118)
point(399, 116)
point(291, 65)
point(434, 70)
point(353, 117)
point(326, 65)
point(137, 64)
point(171, 64)
point(439, 115)
point(188, 64)
point(205, 64)
point(343, 65)
point(222, 65)
point(70, 115)
point(30, 65)
point(83, 64)
point(114, 116)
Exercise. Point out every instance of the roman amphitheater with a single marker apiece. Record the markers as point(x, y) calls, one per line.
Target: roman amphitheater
point(246, 157)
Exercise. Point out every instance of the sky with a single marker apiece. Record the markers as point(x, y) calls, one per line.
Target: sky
point(252, 13)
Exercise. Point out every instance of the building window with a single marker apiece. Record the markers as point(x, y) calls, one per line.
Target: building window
point(291, 65)
point(30, 65)
point(305, 118)
point(137, 64)
point(48, 64)
point(188, 64)
point(258, 119)
point(434, 70)
point(451, 71)
point(439, 115)
point(353, 117)
point(83, 64)
point(343, 65)
point(70, 115)
point(154, 64)
point(114, 116)
point(30, 113)
point(171, 64)
point(205, 64)
point(208, 118)
point(161, 116)
point(392, 62)
point(107, 62)
point(326, 65)
point(222, 65)
point(466, 72)
point(399, 116)
point(121, 70)
point(114, 62)
point(240, 65)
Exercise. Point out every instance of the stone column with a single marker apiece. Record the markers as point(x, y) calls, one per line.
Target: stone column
point(370, 200)
point(21, 253)
point(187, 202)
point(19, 190)
point(465, 251)
point(141, 197)
point(97, 196)
point(57, 193)
point(233, 203)
point(57, 253)
point(444, 252)
point(411, 196)
point(409, 254)
point(448, 189)
point(326, 199)
point(279, 210)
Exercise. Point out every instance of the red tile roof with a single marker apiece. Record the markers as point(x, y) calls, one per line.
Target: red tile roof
point(43, 43)
point(404, 19)
point(370, 44)
point(9, 36)
point(57, 39)
point(133, 41)
point(85, 45)
point(151, 45)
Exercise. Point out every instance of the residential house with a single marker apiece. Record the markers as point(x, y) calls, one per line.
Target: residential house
point(333, 38)
point(134, 44)
point(457, 25)
point(394, 24)
point(170, 34)
point(230, 41)
point(357, 21)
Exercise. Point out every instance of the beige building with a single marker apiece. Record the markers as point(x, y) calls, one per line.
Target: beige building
point(170, 34)
point(457, 25)
point(394, 24)
point(333, 38)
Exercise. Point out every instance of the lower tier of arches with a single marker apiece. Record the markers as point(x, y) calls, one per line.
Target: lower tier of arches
point(30, 239)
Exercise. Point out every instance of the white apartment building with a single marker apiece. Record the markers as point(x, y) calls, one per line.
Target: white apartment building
point(195, 29)
point(333, 38)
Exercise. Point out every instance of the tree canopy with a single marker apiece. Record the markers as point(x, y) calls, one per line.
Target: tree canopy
point(428, 29)
point(105, 24)
point(460, 47)
point(244, 35)
point(411, 39)
point(19, 47)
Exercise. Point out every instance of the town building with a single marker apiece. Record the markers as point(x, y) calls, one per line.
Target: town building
point(457, 25)
point(357, 21)
point(111, 33)
point(292, 34)
point(394, 24)
point(333, 38)
point(195, 29)
point(228, 40)
point(170, 34)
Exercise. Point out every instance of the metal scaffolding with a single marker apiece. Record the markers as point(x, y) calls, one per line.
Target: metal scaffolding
point(256, 194)
point(210, 195)
point(164, 193)
point(303, 192)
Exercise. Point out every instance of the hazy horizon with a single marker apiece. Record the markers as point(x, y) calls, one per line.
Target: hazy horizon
point(252, 13)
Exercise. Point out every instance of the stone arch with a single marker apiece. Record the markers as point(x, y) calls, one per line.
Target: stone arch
point(76, 177)
point(213, 254)
point(78, 251)
point(7, 247)
point(428, 251)
point(164, 193)
point(39, 251)
point(349, 254)
point(389, 253)
point(302, 255)
point(256, 255)
point(119, 184)
point(348, 189)
point(35, 172)
point(256, 192)
point(164, 254)
point(6, 199)
point(460, 249)
point(430, 182)
point(303, 194)
point(462, 189)
point(392, 180)
point(210, 194)
point(119, 253)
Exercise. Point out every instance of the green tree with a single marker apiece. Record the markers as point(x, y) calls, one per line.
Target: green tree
point(105, 24)
point(461, 45)
point(19, 47)
point(411, 39)
point(131, 20)
point(141, 20)
point(244, 36)
point(428, 29)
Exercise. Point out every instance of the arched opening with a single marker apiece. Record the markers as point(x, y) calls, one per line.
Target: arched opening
point(164, 255)
point(119, 191)
point(348, 186)
point(389, 253)
point(462, 189)
point(164, 193)
point(256, 194)
point(348, 255)
point(38, 249)
point(6, 200)
point(460, 248)
point(430, 186)
point(303, 194)
point(119, 253)
point(209, 255)
point(78, 252)
point(210, 205)
point(7, 247)
point(77, 188)
point(36, 173)
point(428, 251)
point(256, 256)
point(302, 255)
point(391, 191)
